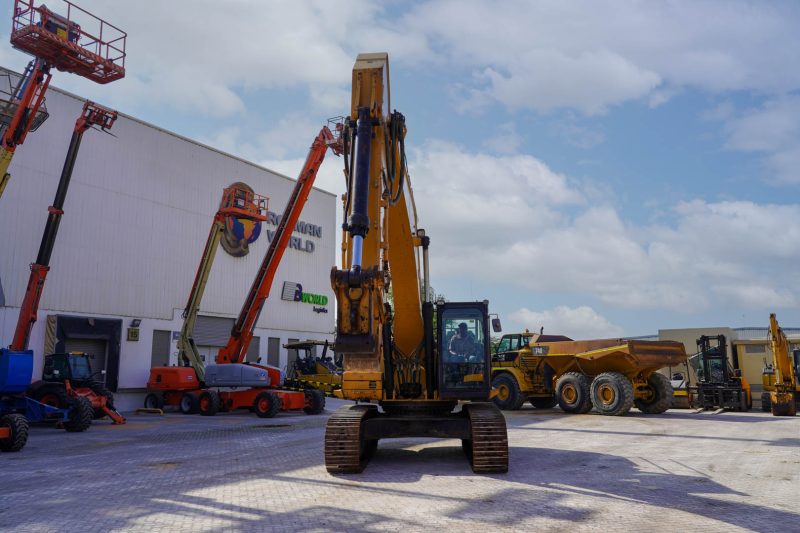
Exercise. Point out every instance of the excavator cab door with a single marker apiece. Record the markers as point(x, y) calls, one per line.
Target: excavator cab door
point(464, 350)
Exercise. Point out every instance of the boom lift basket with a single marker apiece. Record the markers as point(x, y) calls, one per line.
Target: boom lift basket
point(9, 92)
point(66, 42)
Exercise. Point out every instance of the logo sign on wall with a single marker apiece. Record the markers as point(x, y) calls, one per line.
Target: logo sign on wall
point(293, 292)
point(239, 233)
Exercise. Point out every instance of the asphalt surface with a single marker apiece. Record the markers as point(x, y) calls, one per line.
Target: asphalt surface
point(676, 471)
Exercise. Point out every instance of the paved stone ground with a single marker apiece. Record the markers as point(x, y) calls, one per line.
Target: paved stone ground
point(677, 471)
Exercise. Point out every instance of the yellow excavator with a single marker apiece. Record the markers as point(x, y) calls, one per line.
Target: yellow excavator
point(782, 384)
point(414, 368)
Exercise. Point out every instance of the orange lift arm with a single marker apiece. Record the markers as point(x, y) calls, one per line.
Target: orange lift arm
point(29, 97)
point(92, 115)
point(242, 332)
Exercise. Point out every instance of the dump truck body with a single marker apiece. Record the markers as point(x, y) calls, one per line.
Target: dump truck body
point(609, 374)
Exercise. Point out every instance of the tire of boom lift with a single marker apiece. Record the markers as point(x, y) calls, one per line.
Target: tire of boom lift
point(577, 383)
point(209, 403)
point(663, 395)
point(766, 402)
point(544, 403)
point(81, 415)
point(612, 393)
point(315, 402)
point(53, 395)
point(266, 405)
point(189, 404)
point(18, 425)
point(514, 400)
point(153, 401)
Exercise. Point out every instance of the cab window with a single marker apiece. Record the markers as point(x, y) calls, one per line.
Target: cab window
point(80, 367)
point(55, 368)
point(515, 342)
point(463, 349)
point(505, 344)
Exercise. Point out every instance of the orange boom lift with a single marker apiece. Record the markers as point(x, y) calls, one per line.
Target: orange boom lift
point(231, 383)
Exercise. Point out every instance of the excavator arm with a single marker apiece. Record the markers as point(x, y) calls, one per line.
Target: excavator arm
point(782, 399)
point(385, 318)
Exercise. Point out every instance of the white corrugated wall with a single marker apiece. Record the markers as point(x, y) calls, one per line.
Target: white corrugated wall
point(136, 217)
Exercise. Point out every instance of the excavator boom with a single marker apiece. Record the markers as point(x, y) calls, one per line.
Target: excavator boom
point(783, 400)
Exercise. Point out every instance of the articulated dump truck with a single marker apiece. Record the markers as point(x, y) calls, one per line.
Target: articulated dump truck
point(611, 375)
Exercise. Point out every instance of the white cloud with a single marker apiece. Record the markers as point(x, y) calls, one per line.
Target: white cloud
point(549, 79)
point(773, 130)
point(581, 322)
point(507, 141)
point(590, 56)
point(512, 220)
point(201, 56)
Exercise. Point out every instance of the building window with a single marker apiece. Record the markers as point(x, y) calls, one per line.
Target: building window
point(274, 351)
point(755, 348)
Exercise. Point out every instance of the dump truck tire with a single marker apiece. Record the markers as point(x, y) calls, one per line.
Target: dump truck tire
point(544, 403)
point(572, 393)
point(508, 397)
point(612, 393)
point(209, 403)
point(663, 395)
point(153, 401)
point(19, 432)
point(766, 403)
point(81, 415)
point(188, 404)
point(315, 402)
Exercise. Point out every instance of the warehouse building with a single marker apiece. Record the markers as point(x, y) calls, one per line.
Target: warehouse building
point(137, 216)
point(749, 349)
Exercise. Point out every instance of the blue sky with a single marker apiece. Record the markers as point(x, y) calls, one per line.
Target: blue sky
point(596, 168)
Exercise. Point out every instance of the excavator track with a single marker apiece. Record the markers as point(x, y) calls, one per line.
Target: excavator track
point(488, 449)
point(346, 450)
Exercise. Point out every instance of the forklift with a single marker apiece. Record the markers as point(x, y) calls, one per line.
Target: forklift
point(719, 385)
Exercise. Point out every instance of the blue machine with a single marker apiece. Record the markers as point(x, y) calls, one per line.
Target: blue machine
point(16, 370)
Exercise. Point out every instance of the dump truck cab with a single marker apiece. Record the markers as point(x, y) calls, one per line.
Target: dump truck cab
point(520, 371)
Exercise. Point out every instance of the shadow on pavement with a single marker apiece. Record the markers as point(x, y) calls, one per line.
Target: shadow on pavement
point(649, 434)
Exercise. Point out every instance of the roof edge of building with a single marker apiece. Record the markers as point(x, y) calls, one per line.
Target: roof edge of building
point(177, 135)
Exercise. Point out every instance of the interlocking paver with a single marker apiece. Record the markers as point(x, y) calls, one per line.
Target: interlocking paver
point(728, 472)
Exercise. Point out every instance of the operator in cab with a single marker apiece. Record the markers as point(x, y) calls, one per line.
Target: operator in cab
point(462, 344)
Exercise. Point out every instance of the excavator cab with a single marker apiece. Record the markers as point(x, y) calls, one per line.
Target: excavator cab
point(465, 358)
